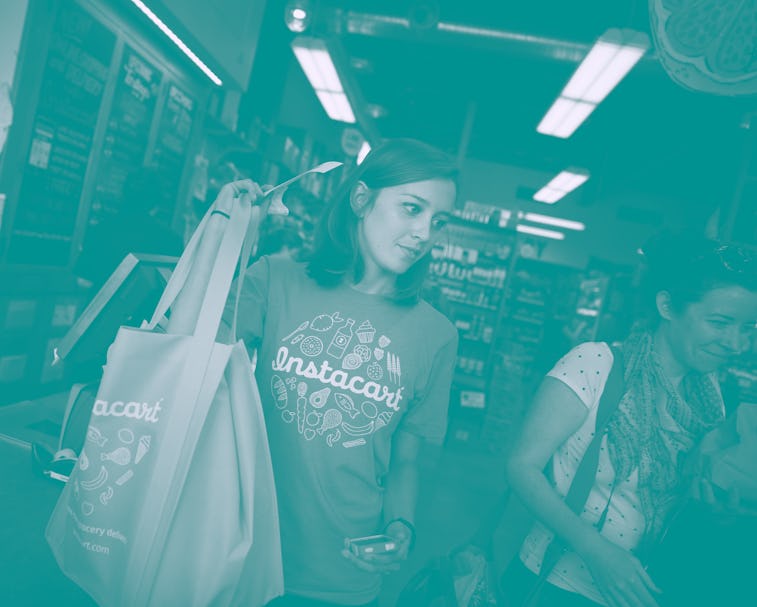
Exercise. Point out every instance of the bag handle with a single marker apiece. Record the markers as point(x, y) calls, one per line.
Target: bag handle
point(180, 273)
point(249, 245)
point(189, 259)
point(222, 274)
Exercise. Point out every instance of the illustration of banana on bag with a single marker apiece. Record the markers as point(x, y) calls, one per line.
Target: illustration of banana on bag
point(97, 482)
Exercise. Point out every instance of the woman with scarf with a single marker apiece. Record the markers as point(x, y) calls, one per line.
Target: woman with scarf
point(701, 300)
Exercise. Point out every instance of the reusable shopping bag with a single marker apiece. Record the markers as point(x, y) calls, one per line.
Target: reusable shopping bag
point(172, 500)
point(731, 452)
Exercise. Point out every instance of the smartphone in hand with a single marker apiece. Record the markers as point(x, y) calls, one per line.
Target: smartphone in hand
point(371, 544)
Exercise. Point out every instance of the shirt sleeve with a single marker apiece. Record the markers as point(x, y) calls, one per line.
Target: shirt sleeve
point(585, 370)
point(427, 417)
point(253, 304)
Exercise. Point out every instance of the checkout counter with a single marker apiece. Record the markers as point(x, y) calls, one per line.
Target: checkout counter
point(30, 433)
point(29, 576)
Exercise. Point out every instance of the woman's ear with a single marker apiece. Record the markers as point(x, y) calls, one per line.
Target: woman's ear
point(359, 198)
point(664, 306)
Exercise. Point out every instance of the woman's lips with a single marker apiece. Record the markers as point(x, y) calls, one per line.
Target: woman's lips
point(412, 252)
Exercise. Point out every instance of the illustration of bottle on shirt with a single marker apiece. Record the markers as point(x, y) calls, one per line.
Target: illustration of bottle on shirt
point(350, 388)
point(341, 340)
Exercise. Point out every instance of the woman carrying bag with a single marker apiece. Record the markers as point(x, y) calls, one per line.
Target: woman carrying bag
point(354, 372)
point(701, 298)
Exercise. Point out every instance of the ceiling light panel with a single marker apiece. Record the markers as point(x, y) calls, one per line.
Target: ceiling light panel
point(534, 231)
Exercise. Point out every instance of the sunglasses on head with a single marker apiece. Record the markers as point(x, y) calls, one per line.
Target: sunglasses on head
point(734, 258)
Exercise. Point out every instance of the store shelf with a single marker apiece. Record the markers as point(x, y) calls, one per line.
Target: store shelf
point(469, 304)
point(475, 341)
point(457, 282)
point(469, 381)
point(530, 301)
point(533, 321)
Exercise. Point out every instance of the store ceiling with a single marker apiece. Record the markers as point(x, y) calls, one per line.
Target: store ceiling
point(425, 82)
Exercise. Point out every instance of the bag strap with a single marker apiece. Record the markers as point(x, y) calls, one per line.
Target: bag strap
point(248, 247)
point(222, 274)
point(180, 273)
point(586, 474)
point(189, 257)
point(608, 404)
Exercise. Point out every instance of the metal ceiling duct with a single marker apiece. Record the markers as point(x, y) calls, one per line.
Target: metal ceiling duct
point(451, 34)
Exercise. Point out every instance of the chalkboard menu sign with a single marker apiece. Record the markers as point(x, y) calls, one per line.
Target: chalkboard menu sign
point(174, 131)
point(74, 77)
point(127, 133)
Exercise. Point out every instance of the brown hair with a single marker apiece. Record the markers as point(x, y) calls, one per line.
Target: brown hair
point(336, 253)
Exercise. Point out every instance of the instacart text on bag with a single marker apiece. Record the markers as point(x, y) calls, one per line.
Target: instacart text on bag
point(132, 409)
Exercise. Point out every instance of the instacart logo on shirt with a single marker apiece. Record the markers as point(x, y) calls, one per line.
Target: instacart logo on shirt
point(359, 380)
point(356, 384)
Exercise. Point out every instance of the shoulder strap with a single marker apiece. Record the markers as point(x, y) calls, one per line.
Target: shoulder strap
point(608, 404)
point(587, 469)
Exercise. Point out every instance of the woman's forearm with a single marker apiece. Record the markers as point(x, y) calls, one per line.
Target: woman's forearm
point(401, 492)
point(538, 495)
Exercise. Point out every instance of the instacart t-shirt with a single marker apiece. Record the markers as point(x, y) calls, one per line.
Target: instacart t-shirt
point(339, 373)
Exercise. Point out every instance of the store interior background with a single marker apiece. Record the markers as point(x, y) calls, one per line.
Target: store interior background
point(97, 90)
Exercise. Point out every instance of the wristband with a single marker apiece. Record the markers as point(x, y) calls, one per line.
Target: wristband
point(407, 524)
point(219, 212)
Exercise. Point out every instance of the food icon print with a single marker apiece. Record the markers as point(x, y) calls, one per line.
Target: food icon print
point(108, 464)
point(336, 380)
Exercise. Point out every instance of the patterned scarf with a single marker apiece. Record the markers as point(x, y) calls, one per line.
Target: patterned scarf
point(638, 437)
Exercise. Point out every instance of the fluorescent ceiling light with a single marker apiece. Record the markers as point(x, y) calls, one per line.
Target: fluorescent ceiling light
point(564, 117)
point(363, 152)
point(548, 195)
point(553, 234)
point(328, 71)
point(606, 64)
point(587, 312)
point(177, 41)
point(560, 185)
point(558, 222)
point(568, 180)
point(574, 119)
point(621, 64)
point(316, 62)
point(594, 63)
point(336, 106)
point(555, 115)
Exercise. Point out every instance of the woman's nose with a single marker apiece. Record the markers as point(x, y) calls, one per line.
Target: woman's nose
point(737, 340)
point(422, 229)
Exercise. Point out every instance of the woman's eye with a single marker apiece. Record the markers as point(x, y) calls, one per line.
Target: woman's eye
point(439, 223)
point(718, 323)
point(412, 208)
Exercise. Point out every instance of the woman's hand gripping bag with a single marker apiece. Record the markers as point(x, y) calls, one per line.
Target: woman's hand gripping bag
point(172, 501)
